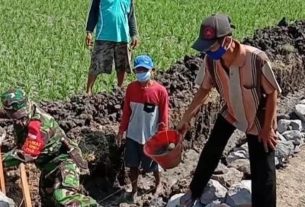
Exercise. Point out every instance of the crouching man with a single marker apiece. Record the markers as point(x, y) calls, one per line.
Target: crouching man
point(39, 139)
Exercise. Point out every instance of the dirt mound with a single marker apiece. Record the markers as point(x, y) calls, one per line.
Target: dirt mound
point(92, 121)
point(285, 46)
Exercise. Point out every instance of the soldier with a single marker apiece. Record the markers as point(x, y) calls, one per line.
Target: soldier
point(39, 139)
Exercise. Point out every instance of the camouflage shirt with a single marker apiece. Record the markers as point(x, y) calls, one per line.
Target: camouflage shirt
point(54, 152)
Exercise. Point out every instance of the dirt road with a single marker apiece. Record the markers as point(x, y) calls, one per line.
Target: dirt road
point(291, 182)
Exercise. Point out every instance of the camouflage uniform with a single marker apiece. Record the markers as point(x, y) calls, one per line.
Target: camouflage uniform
point(60, 160)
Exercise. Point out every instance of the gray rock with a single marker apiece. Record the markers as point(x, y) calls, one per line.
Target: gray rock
point(300, 108)
point(283, 116)
point(297, 149)
point(245, 148)
point(233, 176)
point(281, 137)
point(284, 125)
point(156, 202)
point(283, 150)
point(243, 165)
point(297, 115)
point(221, 169)
point(302, 102)
point(296, 124)
point(235, 139)
point(217, 205)
point(298, 142)
point(124, 205)
point(235, 156)
point(292, 135)
point(239, 153)
point(239, 194)
point(6, 201)
point(214, 203)
point(174, 201)
point(276, 161)
point(213, 191)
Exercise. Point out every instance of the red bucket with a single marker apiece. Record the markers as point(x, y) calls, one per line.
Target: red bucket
point(156, 148)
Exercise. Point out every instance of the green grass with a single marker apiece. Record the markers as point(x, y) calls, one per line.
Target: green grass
point(42, 42)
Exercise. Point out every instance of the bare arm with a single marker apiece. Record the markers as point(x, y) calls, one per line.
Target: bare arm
point(271, 107)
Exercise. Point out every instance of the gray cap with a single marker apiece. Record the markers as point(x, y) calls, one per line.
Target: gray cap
point(213, 28)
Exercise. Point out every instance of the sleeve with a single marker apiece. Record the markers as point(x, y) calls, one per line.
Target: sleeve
point(93, 15)
point(126, 112)
point(204, 78)
point(132, 22)
point(35, 141)
point(164, 110)
point(10, 159)
point(268, 80)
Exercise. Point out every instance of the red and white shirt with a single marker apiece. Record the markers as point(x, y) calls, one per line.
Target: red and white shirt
point(146, 110)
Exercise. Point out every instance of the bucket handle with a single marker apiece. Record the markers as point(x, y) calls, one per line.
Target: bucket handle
point(182, 135)
point(158, 125)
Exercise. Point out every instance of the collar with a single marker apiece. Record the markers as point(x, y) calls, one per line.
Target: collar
point(240, 56)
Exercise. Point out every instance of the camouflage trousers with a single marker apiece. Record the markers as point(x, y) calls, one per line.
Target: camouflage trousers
point(62, 187)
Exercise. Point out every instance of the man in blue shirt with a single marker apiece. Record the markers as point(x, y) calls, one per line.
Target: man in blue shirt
point(115, 25)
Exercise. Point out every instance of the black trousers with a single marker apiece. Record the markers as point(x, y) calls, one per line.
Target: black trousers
point(261, 163)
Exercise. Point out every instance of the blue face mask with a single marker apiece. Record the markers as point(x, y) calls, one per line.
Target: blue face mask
point(216, 55)
point(143, 77)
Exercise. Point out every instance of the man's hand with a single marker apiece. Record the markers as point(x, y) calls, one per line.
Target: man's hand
point(268, 137)
point(89, 39)
point(134, 42)
point(118, 139)
point(183, 126)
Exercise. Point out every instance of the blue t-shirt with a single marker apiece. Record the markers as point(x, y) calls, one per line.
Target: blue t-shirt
point(112, 23)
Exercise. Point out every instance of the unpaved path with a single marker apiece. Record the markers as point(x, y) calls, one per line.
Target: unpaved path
point(291, 182)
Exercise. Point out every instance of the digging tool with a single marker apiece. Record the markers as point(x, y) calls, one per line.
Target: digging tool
point(2, 180)
point(25, 186)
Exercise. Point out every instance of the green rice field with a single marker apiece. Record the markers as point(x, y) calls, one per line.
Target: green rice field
point(42, 42)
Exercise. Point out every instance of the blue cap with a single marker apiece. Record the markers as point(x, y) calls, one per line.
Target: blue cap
point(143, 61)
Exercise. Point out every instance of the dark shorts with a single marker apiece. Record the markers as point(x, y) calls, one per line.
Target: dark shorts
point(105, 53)
point(135, 157)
